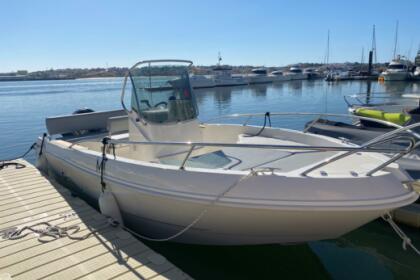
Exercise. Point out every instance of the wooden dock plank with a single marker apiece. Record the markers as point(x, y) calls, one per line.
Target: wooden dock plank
point(107, 253)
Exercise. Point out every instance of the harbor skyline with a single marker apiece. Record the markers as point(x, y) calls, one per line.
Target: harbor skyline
point(76, 34)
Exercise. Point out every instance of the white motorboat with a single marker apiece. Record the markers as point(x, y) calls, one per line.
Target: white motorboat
point(202, 81)
point(416, 74)
point(259, 76)
point(312, 73)
point(397, 70)
point(174, 178)
point(296, 73)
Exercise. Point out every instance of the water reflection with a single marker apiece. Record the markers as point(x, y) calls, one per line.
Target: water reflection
point(223, 97)
point(296, 86)
point(368, 248)
point(259, 90)
point(396, 86)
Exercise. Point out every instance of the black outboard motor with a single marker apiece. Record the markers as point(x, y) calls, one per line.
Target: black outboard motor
point(81, 132)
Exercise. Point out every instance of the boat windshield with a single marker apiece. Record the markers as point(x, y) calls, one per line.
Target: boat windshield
point(161, 93)
point(295, 70)
point(396, 66)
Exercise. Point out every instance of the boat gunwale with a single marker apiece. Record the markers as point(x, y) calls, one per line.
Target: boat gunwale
point(320, 205)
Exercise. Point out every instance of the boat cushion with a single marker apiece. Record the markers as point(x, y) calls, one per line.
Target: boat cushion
point(397, 118)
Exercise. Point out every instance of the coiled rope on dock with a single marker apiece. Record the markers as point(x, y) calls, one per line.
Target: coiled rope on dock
point(46, 234)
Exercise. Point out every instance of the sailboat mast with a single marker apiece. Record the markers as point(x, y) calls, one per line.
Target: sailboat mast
point(374, 44)
point(363, 56)
point(327, 52)
point(396, 40)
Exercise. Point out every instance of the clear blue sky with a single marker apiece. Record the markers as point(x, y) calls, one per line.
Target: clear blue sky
point(36, 35)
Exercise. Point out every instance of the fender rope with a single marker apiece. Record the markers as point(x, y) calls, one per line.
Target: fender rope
point(102, 164)
point(198, 218)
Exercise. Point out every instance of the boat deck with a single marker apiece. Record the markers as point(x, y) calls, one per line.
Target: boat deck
point(29, 198)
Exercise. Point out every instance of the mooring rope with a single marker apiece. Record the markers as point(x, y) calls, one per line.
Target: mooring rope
point(266, 117)
point(9, 162)
point(198, 218)
point(406, 240)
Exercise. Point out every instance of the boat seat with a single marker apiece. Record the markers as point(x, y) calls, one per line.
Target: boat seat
point(155, 115)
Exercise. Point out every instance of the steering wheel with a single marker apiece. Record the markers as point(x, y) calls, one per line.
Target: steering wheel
point(161, 103)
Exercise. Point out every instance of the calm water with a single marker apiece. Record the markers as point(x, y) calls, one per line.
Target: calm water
point(371, 252)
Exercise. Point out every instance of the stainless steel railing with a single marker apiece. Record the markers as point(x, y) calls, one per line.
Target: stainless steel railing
point(412, 139)
point(365, 148)
point(377, 95)
point(317, 115)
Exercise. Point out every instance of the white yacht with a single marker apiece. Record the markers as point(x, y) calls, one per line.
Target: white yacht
point(223, 77)
point(416, 74)
point(259, 76)
point(277, 76)
point(397, 70)
point(168, 176)
point(296, 73)
point(312, 73)
point(202, 81)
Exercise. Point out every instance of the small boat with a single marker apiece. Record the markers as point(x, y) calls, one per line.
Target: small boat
point(175, 178)
point(389, 103)
point(397, 70)
point(372, 121)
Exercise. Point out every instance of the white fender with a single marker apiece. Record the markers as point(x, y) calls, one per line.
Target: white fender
point(108, 206)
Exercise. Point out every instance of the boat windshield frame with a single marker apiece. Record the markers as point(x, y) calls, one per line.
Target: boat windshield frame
point(161, 91)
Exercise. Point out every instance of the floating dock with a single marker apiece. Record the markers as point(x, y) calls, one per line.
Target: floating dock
point(28, 198)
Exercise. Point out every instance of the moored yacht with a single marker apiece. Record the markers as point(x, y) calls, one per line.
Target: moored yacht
point(172, 177)
point(223, 77)
point(259, 76)
point(202, 81)
point(296, 73)
point(397, 70)
point(277, 76)
point(416, 74)
point(312, 73)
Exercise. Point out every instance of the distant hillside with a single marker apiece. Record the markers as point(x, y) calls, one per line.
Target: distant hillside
point(79, 73)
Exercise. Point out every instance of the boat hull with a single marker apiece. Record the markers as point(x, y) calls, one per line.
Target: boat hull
point(150, 206)
point(398, 76)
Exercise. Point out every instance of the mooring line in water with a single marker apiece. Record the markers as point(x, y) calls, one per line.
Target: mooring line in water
point(9, 162)
point(406, 240)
